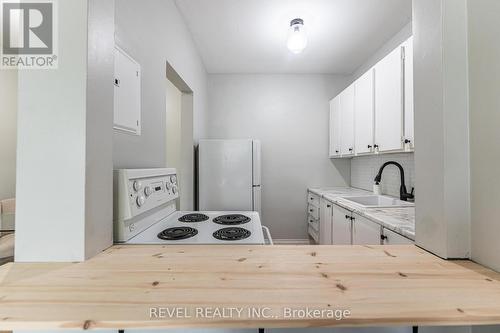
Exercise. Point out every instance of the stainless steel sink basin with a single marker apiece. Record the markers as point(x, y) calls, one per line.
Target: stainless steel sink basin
point(378, 201)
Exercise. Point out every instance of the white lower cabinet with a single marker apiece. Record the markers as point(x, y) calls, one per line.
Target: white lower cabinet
point(313, 216)
point(365, 232)
point(391, 238)
point(342, 226)
point(325, 222)
point(339, 226)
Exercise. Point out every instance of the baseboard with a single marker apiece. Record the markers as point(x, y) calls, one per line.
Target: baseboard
point(291, 241)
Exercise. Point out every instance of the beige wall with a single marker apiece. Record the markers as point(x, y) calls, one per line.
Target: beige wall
point(180, 144)
point(173, 129)
point(8, 124)
point(484, 90)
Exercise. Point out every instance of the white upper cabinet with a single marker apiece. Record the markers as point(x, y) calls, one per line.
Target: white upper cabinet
point(408, 95)
point(364, 113)
point(347, 121)
point(127, 93)
point(389, 102)
point(375, 113)
point(335, 127)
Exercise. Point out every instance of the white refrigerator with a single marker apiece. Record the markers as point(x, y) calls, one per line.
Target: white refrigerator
point(229, 175)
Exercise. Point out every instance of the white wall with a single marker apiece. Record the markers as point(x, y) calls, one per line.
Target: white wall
point(384, 50)
point(8, 124)
point(64, 142)
point(153, 32)
point(484, 71)
point(441, 127)
point(99, 120)
point(290, 115)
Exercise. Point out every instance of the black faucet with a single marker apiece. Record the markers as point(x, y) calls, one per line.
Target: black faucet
point(403, 193)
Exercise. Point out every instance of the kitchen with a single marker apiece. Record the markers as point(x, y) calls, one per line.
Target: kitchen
point(295, 105)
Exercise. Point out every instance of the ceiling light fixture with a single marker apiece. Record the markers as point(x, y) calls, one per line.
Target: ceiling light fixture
point(297, 39)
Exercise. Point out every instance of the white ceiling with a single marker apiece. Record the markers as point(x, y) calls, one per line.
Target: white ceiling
point(249, 36)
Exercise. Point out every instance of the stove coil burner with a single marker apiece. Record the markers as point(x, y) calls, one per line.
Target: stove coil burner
point(232, 219)
point(195, 217)
point(177, 233)
point(231, 234)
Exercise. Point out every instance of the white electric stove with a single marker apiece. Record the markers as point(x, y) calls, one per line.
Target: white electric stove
point(145, 213)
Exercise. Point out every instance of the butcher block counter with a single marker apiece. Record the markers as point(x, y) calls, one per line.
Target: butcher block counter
point(249, 287)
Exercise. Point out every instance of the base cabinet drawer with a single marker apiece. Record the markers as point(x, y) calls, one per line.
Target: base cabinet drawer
point(313, 223)
point(313, 211)
point(313, 233)
point(313, 199)
point(391, 238)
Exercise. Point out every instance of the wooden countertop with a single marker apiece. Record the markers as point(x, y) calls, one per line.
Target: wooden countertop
point(379, 285)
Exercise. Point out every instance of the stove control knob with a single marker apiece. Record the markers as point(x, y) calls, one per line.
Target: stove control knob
point(173, 179)
point(148, 191)
point(140, 200)
point(174, 189)
point(137, 185)
point(168, 185)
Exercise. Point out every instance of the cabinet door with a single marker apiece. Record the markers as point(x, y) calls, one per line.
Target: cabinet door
point(408, 94)
point(325, 223)
point(335, 127)
point(364, 113)
point(389, 102)
point(127, 93)
point(365, 232)
point(347, 121)
point(392, 238)
point(342, 226)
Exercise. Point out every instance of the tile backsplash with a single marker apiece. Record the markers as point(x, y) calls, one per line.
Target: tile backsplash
point(365, 168)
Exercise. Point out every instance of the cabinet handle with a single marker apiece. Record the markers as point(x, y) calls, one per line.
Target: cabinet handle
point(347, 217)
point(311, 198)
point(311, 210)
point(369, 146)
point(337, 151)
point(350, 149)
point(383, 237)
point(375, 146)
point(328, 206)
point(407, 140)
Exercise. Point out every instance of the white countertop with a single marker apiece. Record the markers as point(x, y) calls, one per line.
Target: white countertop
point(400, 220)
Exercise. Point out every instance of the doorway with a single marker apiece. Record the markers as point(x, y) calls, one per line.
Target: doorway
point(179, 137)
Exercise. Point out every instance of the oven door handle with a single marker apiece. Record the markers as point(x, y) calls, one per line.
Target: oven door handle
point(268, 234)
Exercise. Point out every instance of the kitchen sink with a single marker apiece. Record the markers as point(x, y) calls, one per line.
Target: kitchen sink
point(378, 201)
